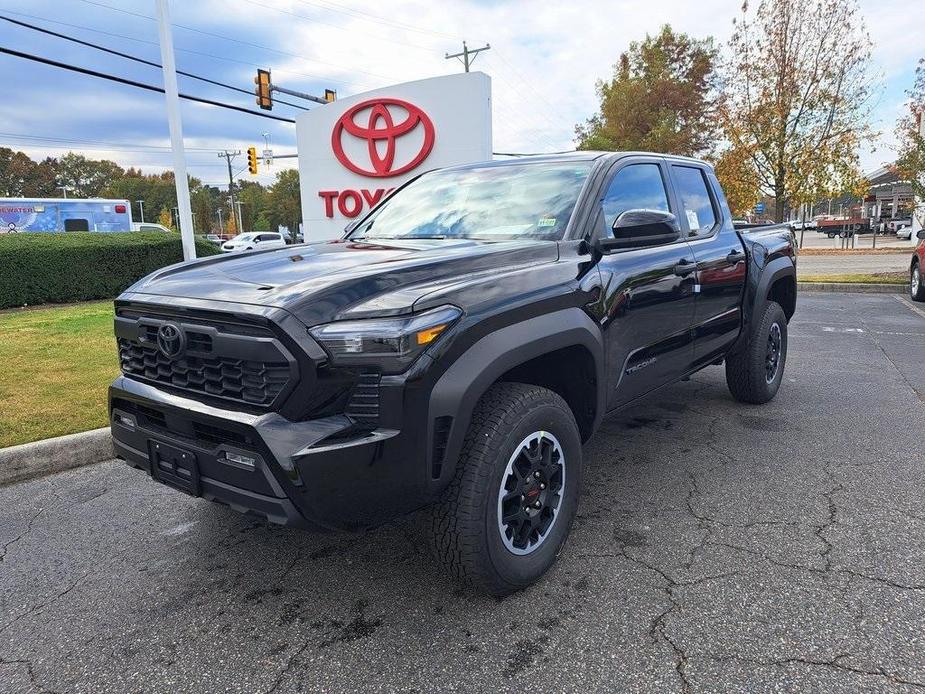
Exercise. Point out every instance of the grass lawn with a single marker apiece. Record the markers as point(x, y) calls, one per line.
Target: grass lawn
point(56, 363)
point(871, 278)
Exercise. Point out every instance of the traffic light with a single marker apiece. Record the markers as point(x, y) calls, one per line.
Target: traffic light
point(262, 90)
point(330, 95)
point(252, 160)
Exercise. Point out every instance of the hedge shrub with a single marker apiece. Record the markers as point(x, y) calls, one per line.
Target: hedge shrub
point(75, 266)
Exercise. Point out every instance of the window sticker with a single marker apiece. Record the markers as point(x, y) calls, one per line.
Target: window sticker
point(546, 222)
point(692, 221)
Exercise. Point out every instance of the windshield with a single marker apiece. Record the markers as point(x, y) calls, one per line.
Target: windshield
point(517, 201)
point(245, 237)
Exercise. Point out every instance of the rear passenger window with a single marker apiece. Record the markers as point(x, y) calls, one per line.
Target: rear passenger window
point(695, 200)
point(635, 187)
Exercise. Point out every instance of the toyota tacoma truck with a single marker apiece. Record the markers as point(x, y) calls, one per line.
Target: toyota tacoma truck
point(453, 350)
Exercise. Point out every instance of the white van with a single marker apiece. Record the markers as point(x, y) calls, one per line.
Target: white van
point(254, 240)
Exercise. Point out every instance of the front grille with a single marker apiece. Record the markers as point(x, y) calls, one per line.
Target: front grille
point(251, 382)
point(231, 360)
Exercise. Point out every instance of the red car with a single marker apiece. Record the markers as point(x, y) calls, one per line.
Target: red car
point(917, 270)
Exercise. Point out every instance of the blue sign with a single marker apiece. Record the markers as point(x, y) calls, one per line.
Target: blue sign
point(759, 208)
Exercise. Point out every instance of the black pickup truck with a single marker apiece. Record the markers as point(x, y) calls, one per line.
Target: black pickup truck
point(453, 350)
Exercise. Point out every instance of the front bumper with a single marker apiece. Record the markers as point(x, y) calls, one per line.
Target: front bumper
point(322, 473)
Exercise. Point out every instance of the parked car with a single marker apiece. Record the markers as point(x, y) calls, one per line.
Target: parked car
point(917, 269)
point(150, 226)
point(903, 228)
point(455, 349)
point(255, 240)
point(214, 238)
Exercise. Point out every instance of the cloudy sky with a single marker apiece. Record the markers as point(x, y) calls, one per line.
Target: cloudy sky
point(544, 60)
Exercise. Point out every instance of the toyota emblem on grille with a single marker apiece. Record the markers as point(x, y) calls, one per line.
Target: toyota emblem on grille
point(170, 340)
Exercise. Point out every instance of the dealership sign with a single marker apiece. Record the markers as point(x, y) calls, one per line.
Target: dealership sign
point(355, 151)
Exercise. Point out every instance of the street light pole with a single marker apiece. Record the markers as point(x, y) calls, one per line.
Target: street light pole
point(221, 225)
point(176, 130)
point(141, 206)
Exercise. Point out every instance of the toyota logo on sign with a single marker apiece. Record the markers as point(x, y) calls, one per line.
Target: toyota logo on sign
point(381, 123)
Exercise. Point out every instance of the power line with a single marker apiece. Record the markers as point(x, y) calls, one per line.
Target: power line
point(77, 141)
point(140, 85)
point(184, 50)
point(315, 20)
point(235, 40)
point(128, 56)
point(334, 7)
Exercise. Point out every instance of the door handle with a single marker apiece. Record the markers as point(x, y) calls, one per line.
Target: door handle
point(684, 267)
point(735, 256)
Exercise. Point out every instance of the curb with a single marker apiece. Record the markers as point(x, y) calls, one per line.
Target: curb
point(28, 460)
point(851, 287)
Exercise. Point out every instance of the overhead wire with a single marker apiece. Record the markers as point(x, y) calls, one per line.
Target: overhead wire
point(143, 61)
point(135, 83)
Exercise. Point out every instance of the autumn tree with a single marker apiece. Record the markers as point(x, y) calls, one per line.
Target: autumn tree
point(20, 176)
point(659, 100)
point(910, 131)
point(795, 91)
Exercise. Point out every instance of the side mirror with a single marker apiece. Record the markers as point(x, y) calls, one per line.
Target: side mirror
point(640, 228)
point(920, 234)
point(351, 226)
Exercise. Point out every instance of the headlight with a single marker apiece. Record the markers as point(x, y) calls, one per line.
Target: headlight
point(392, 343)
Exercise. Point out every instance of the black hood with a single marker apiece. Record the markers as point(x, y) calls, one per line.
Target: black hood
point(319, 282)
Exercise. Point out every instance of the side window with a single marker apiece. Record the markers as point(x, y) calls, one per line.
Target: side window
point(637, 186)
point(695, 199)
point(76, 224)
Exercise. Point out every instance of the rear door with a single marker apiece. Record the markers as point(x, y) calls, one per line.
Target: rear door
point(648, 296)
point(720, 257)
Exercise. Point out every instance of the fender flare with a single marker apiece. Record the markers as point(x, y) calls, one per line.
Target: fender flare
point(758, 296)
point(459, 388)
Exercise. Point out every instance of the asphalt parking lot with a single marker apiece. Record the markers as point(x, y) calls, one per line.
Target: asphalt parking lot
point(719, 547)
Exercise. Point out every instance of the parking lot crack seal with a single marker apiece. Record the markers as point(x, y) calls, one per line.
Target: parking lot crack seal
point(835, 663)
point(32, 678)
point(46, 603)
point(16, 539)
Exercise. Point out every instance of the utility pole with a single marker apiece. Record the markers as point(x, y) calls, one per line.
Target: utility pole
point(229, 156)
point(141, 206)
point(240, 218)
point(176, 130)
point(221, 225)
point(465, 54)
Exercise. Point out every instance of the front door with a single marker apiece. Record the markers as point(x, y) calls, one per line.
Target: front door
point(648, 292)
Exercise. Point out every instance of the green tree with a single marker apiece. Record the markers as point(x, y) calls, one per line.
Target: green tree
point(659, 100)
point(86, 178)
point(795, 97)
point(285, 206)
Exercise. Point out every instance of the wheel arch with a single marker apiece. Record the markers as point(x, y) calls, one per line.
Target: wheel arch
point(522, 351)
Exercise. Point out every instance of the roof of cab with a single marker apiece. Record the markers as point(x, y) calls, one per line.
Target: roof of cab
point(576, 156)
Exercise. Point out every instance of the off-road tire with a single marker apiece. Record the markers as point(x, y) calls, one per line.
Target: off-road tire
point(465, 529)
point(916, 289)
point(746, 368)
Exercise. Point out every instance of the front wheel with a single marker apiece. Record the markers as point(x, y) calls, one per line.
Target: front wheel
point(505, 516)
point(755, 371)
point(916, 285)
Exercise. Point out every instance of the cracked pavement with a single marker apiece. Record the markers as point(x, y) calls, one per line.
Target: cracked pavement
point(718, 547)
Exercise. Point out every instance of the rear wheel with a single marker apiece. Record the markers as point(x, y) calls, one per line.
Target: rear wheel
point(916, 283)
point(755, 371)
point(503, 519)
